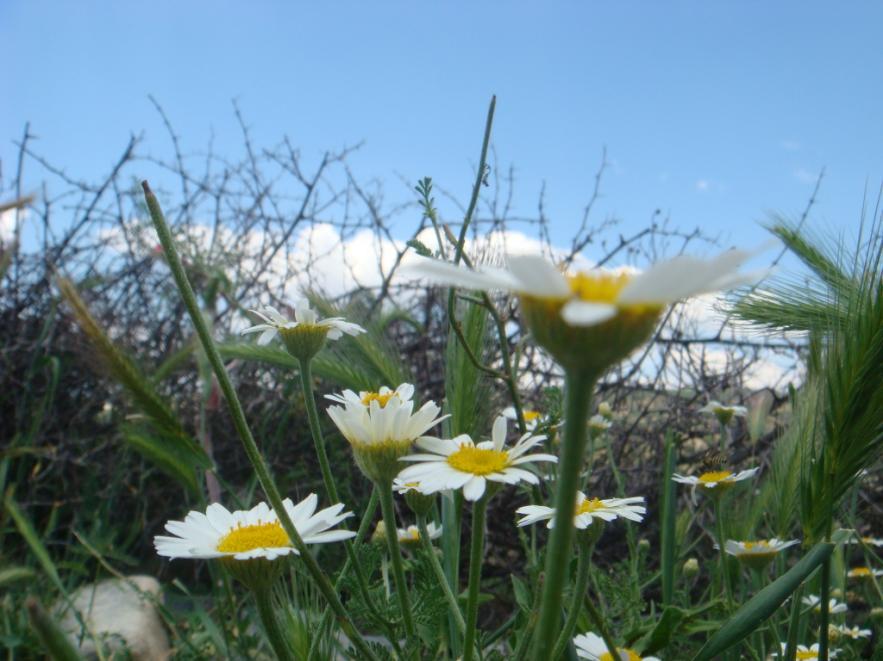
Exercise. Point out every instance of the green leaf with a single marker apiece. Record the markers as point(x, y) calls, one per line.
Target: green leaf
point(11, 575)
point(174, 457)
point(764, 603)
point(26, 530)
point(663, 632)
point(56, 644)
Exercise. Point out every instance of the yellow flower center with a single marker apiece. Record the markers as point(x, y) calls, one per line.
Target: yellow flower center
point(759, 546)
point(589, 505)
point(597, 287)
point(530, 416)
point(860, 572)
point(713, 476)
point(632, 655)
point(478, 461)
point(808, 654)
point(377, 397)
point(258, 536)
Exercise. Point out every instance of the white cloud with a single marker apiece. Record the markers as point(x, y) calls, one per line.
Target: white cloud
point(702, 185)
point(7, 225)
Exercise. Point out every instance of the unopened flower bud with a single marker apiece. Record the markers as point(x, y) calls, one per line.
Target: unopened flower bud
point(379, 534)
point(605, 410)
point(691, 567)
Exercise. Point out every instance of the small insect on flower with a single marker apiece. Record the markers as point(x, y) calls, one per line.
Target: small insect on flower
point(460, 463)
point(587, 509)
point(250, 534)
point(411, 534)
point(591, 646)
point(814, 602)
point(715, 482)
point(864, 573)
point(805, 653)
point(759, 554)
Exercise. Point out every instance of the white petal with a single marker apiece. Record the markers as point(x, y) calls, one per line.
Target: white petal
point(498, 433)
point(444, 273)
point(474, 488)
point(584, 313)
point(537, 276)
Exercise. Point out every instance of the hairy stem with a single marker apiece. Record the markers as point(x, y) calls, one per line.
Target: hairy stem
point(576, 599)
point(271, 624)
point(451, 598)
point(579, 386)
point(395, 556)
point(479, 510)
point(261, 470)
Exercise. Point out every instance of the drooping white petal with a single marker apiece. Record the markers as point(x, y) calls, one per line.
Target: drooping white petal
point(584, 313)
point(445, 273)
point(537, 276)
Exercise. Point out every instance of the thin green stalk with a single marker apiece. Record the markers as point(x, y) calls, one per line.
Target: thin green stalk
point(395, 556)
point(451, 598)
point(306, 380)
point(533, 615)
point(275, 635)
point(793, 625)
point(364, 527)
point(238, 415)
point(825, 595)
point(576, 599)
point(579, 386)
point(598, 623)
point(476, 550)
point(726, 587)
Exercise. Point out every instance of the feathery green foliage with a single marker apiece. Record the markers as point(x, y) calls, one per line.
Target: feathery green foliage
point(160, 437)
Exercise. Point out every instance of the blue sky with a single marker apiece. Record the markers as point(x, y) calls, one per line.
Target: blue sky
point(714, 112)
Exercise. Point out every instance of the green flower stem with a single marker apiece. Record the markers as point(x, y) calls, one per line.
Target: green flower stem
point(395, 555)
point(451, 598)
point(825, 595)
point(527, 634)
point(576, 599)
point(364, 527)
point(479, 510)
point(579, 386)
point(726, 588)
point(238, 415)
point(598, 623)
point(306, 380)
point(264, 599)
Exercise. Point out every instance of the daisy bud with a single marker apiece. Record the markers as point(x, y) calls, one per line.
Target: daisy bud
point(691, 568)
point(419, 503)
point(605, 410)
point(643, 545)
point(379, 535)
point(877, 615)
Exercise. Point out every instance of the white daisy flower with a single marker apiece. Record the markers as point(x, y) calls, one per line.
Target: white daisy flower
point(531, 418)
point(411, 534)
point(593, 297)
point(591, 646)
point(587, 509)
point(404, 393)
point(460, 463)
point(805, 653)
point(761, 547)
point(850, 632)
point(869, 541)
point(864, 573)
point(275, 322)
point(598, 423)
point(815, 602)
point(724, 413)
point(248, 534)
point(715, 482)
point(610, 312)
point(402, 487)
point(381, 427)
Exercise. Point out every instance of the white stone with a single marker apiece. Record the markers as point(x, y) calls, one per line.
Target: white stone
point(120, 614)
